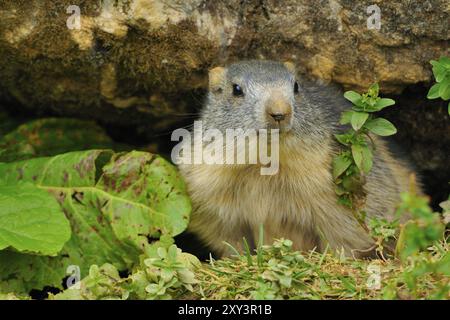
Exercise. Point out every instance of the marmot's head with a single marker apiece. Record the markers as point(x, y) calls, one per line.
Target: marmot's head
point(259, 94)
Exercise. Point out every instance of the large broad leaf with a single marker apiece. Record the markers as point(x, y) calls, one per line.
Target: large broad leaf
point(116, 204)
point(31, 220)
point(52, 136)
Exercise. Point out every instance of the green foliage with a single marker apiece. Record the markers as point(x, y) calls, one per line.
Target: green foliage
point(52, 136)
point(423, 230)
point(421, 247)
point(13, 296)
point(31, 220)
point(167, 274)
point(115, 202)
point(441, 72)
point(381, 127)
point(384, 232)
point(356, 158)
point(102, 283)
point(163, 273)
point(287, 274)
point(120, 211)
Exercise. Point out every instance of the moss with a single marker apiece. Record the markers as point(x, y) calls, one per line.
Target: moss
point(145, 62)
point(24, 65)
point(166, 57)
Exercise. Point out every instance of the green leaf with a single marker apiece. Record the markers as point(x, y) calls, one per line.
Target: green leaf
point(439, 70)
point(340, 164)
point(445, 61)
point(357, 155)
point(115, 203)
point(383, 103)
point(352, 183)
point(381, 127)
point(367, 159)
point(52, 136)
point(353, 96)
point(443, 266)
point(374, 90)
point(31, 220)
point(358, 119)
point(444, 89)
point(344, 138)
point(433, 93)
point(346, 117)
point(345, 201)
point(362, 156)
point(339, 190)
point(15, 275)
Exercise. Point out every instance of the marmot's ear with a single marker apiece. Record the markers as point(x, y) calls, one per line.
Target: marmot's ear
point(216, 76)
point(290, 66)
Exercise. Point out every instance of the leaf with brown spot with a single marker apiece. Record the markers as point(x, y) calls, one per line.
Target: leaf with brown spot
point(105, 196)
point(52, 136)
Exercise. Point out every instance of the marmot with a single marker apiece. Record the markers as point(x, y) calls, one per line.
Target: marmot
point(299, 201)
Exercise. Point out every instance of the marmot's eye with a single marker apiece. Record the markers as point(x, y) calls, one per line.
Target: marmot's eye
point(295, 87)
point(237, 91)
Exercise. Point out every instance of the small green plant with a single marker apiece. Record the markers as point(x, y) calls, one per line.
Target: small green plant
point(441, 72)
point(164, 272)
point(167, 273)
point(384, 232)
point(424, 228)
point(355, 161)
point(423, 252)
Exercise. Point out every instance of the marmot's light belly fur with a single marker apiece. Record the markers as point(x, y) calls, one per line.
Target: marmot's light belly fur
point(299, 202)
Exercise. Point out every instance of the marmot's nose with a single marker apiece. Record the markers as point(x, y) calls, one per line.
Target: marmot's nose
point(278, 116)
point(278, 110)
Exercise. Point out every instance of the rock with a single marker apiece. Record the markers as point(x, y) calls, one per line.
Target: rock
point(120, 54)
